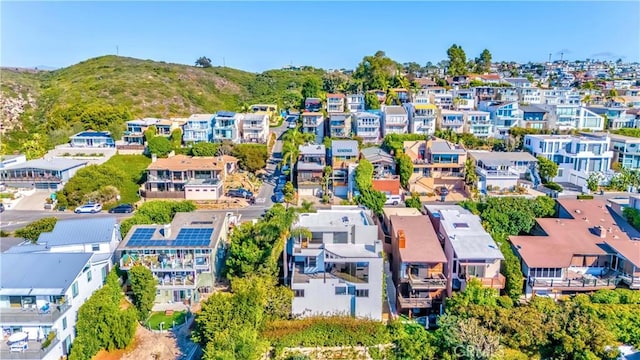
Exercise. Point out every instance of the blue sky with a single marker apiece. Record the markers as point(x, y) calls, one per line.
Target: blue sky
point(256, 36)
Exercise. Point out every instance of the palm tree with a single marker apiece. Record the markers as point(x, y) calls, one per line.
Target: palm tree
point(292, 139)
point(470, 176)
point(306, 207)
point(587, 99)
point(245, 108)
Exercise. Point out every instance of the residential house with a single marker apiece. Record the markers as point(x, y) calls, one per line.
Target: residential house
point(504, 116)
point(312, 104)
point(463, 99)
point(617, 116)
point(226, 126)
point(313, 123)
point(395, 120)
point(355, 102)
point(479, 123)
point(10, 160)
point(310, 169)
point(380, 94)
point(585, 249)
point(436, 163)
point(384, 170)
point(134, 135)
point(40, 294)
point(452, 120)
point(271, 109)
point(503, 170)
point(507, 94)
point(340, 125)
point(403, 95)
point(198, 128)
point(185, 256)
point(576, 156)
point(384, 226)
point(471, 252)
point(339, 269)
point(626, 151)
point(255, 127)
point(571, 116)
point(366, 126)
point(335, 103)
point(443, 100)
point(418, 265)
point(534, 117)
point(485, 93)
point(187, 177)
point(49, 174)
point(344, 159)
point(422, 118)
point(92, 139)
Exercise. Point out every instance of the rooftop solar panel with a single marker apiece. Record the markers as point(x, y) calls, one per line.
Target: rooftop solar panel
point(186, 237)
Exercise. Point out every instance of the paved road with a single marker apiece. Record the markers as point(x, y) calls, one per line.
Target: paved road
point(263, 200)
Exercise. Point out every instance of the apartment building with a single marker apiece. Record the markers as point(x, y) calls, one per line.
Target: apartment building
point(422, 118)
point(503, 115)
point(344, 160)
point(310, 169)
point(479, 123)
point(583, 250)
point(452, 120)
point(226, 126)
point(40, 294)
point(355, 102)
point(340, 125)
point(184, 256)
point(366, 126)
point(395, 120)
point(339, 269)
point(188, 177)
point(471, 252)
point(198, 128)
point(335, 103)
point(576, 156)
point(418, 265)
point(313, 123)
point(503, 170)
point(255, 127)
point(626, 151)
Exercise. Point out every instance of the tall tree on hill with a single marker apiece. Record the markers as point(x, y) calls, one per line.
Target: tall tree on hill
point(483, 63)
point(376, 71)
point(457, 61)
point(311, 88)
point(204, 62)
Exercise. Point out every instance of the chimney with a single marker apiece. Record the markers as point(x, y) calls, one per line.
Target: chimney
point(601, 232)
point(167, 231)
point(402, 240)
point(154, 158)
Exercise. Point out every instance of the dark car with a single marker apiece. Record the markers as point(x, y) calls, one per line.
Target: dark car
point(278, 197)
point(122, 209)
point(1, 207)
point(279, 187)
point(241, 193)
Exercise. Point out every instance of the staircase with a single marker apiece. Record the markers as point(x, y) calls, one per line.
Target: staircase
point(535, 177)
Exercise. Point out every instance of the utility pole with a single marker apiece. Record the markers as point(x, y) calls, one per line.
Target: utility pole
point(224, 64)
point(117, 51)
point(561, 56)
point(549, 58)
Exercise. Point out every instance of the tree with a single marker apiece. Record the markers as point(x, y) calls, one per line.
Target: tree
point(483, 63)
point(374, 200)
point(414, 201)
point(97, 181)
point(457, 61)
point(412, 341)
point(327, 173)
point(468, 339)
point(143, 287)
point(150, 133)
point(251, 157)
point(35, 147)
point(593, 181)
point(203, 61)
point(306, 207)
point(176, 137)
point(311, 88)
point(334, 82)
point(371, 101)
point(392, 98)
point(289, 192)
point(470, 176)
point(547, 169)
point(204, 149)
point(32, 231)
point(160, 146)
point(405, 168)
point(375, 72)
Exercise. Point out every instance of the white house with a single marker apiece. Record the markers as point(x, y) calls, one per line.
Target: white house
point(255, 127)
point(313, 123)
point(502, 170)
point(40, 294)
point(576, 156)
point(452, 120)
point(395, 120)
point(366, 126)
point(479, 123)
point(339, 269)
point(355, 102)
point(422, 118)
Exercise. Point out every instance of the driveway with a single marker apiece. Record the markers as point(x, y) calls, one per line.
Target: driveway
point(33, 202)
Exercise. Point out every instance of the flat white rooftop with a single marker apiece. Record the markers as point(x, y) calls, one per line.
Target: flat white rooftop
point(334, 218)
point(467, 236)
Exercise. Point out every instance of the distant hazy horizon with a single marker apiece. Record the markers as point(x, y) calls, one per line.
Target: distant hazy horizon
point(257, 36)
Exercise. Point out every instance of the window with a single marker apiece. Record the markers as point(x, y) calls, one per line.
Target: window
point(312, 262)
point(64, 323)
point(95, 247)
point(74, 289)
point(298, 293)
point(341, 290)
point(89, 275)
point(362, 293)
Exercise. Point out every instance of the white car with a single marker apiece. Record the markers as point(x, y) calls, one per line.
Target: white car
point(393, 200)
point(91, 208)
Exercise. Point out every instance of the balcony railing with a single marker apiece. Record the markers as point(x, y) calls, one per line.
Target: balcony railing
point(414, 302)
point(33, 315)
point(435, 281)
point(32, 178)
point(151, 262)
point(509, 173)
point(257, 126)
point(574, 283)
point(311, 123)
point(632, 282)
point(175, 282)
point(497, 282)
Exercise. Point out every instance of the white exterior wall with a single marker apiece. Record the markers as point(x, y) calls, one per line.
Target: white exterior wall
point(355, 102)
point(202, 192)
point(395, 119)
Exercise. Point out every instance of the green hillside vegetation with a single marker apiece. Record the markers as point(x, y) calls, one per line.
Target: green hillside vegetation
point(104, 92)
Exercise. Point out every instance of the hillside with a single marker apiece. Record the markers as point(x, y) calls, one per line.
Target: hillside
point(57, 103)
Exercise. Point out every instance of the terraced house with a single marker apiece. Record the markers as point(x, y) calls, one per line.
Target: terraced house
point(344, 160)
point(255, 127)
point(422, 118)
point(226, 126)
point(366, 126)
point(198, 128)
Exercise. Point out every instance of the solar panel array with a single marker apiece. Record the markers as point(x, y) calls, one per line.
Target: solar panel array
point(186, 237)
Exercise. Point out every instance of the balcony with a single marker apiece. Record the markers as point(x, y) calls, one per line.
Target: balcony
point(33, 350)
point(254, 126)
point(33, 179)
point(496, 282)
point(168, 263)
point(496, 173)
point(632, 282)
point(31, 316)
point(396, 124)
point(434, 281)
point(310, 123)
point(586, 283)
point(414, 302)
point(177, 281)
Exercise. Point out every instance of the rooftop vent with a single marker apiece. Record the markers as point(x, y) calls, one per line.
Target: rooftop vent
point(402, 239)
point(578, 211)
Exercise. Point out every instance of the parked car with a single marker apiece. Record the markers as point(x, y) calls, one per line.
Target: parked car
point(279, 187)
point(241, 193)
point(278, 197)
point(122, 209)
point(91, 208)
point(1, 207)
point(393, 200)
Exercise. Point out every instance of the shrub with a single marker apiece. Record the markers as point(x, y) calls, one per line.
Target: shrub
point(553, 186)
point(32, 231)
point(585, 197)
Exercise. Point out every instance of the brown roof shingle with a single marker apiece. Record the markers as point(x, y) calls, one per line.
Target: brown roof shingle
point(422, 244)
